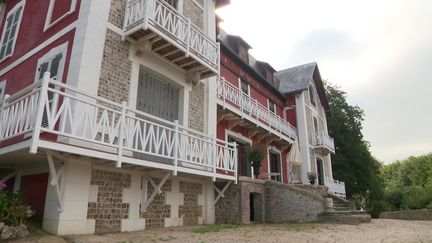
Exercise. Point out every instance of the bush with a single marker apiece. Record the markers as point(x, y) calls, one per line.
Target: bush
point(377, 207)
point(417, 197)
point(395, 199)
point(13, 212)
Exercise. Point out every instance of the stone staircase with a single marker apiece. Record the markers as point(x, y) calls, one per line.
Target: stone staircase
point(342, 211)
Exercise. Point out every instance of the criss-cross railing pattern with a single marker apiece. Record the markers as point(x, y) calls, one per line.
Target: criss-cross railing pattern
point(168, 22)
point(52, 107)
point(252, 109)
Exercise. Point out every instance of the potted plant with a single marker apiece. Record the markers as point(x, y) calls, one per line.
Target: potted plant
point(312, 178)
point(255, 156)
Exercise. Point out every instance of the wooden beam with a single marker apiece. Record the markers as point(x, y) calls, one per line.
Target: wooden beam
point(161, 47)
point(171, 52)
point(234, 123)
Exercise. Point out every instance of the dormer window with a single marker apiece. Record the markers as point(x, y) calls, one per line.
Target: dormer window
point(243, 53)
point(312, 95)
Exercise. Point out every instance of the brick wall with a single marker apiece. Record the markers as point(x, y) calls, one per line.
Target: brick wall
point(190, 211)
point(109, 209)
point(196, 107)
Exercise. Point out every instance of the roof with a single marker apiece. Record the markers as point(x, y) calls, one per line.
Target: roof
point(295, 79)
point(222, 3)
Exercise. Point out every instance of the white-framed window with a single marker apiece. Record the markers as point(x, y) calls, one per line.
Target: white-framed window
point(244, 86)
point(57, 11)
point(52, 62)
point(2, 92)
point(271, 106)
point(10, 30)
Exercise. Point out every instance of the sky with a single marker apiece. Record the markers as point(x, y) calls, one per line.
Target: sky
point(378, 51)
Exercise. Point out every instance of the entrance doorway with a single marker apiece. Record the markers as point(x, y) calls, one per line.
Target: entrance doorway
point(243, 165)
point(255, 207)
point(320, 171)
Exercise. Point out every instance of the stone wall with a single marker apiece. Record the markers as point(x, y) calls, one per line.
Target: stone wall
point(288, 203)
point(117, 12)
point(108, 210)
point(196, 107)
point(158, 210)
point(273, 202)
point(116, 67)
point(422, 214)
point(194, 12)
point(315, 189)
point(190, 211)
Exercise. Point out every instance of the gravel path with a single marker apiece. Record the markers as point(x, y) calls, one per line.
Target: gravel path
point(381, 230)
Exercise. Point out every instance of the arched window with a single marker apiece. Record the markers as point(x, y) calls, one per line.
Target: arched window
point(312, 95)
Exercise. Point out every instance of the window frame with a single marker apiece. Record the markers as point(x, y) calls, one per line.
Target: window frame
point(241, 81)
point(48, 25)
point(270, 102)
point(61, 49)
point(272, 150)
point(12, 11)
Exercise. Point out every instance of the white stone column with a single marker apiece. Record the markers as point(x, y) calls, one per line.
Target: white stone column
point(206, 199)
point(133, 196)
point(302, 133)
point(174, 198)
point(75, 187)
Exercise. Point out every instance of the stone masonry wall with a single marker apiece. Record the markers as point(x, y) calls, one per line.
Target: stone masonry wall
point(228, 210)
point(116, 67)
point(109, 209)
point(288, 203)
point(422, 214)
point(158, 210)
point(190, 211)
point(196, 107)
point(117, 12)
point(194, 12)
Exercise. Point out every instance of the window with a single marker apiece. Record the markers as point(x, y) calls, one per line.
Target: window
point(272, 106)
point(10, 31)
point(52, 62)
point(244, 86)
point(312, 95)
point(2, 92)
point(157, 97)
point(58, 10)
point(275, 166)
point(315, 123)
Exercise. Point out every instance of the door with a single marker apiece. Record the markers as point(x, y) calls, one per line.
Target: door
point(243, 165)
point(320, 171)
point(275, 166)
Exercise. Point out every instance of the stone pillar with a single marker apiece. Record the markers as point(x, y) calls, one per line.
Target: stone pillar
point(75, 187)
point(133, 197)
point(174, 198)
point(207, 199)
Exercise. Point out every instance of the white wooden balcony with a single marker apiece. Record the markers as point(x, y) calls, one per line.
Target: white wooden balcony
point(160, 28)
point(324, 143)
point(234, 99)
point(54, 116)
point(336, 187)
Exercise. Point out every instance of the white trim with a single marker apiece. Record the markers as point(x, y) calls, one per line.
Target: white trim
point(48, 23)
point(272, 149)
point(38, 48)
point(61, 49)
point(20, 4)
point(115, 29)
point(237, 136)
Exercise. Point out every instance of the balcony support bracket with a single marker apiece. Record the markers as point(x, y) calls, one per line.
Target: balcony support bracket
point(157, 189)
point(55, 178)
point(221, 193)
point(143, 47)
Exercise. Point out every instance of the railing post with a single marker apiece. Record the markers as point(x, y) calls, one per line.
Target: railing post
point(256, 112)
point(176, 145)
point(147, 5)
point(188, 37)
point(40, 112)
point(215, 157)
point(235, 162)
point(2, 121)
point(224, 88)
point(121, 134)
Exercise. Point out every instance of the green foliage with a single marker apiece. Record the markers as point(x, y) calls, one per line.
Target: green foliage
point(12, 210)
point(408, 183)
point(312, 178)
point(376, 207)
point(352, 163)
point(254, 154)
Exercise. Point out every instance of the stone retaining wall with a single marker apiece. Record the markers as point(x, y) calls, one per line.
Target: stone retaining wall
point(421, 214)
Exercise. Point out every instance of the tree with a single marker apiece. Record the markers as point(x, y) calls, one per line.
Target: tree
point(352, 161)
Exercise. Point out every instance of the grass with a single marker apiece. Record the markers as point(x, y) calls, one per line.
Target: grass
point(213, 228)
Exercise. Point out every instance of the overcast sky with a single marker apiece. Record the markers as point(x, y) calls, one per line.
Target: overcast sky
point(378, 51)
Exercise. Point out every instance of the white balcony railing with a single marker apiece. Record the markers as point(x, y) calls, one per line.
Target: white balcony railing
point(323, 140)
point(250, 108)
point(51, 107)
point(336, 187)
point(166, 21)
